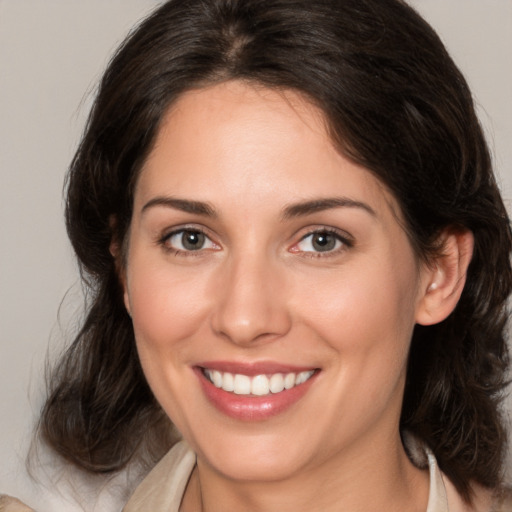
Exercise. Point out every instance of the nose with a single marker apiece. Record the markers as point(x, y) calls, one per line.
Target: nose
point(251, 306)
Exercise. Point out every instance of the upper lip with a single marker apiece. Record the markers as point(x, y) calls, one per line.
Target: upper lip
point(253, 368)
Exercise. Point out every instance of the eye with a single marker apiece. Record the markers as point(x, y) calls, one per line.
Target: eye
point(187, 240)
point(322, 241)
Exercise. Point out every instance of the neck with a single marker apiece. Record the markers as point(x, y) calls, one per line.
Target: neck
point(378, 478)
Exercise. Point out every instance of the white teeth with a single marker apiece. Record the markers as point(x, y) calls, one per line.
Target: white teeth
point(302, 377)
point(242, 384)
point(228, 382)
point(289, 381)
point(260, 385)
point(277, 383)
point(217, 378)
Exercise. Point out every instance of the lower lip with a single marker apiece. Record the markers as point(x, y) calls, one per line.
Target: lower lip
point(253, 408)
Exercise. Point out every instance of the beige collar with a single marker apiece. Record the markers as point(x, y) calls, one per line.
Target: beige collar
point(164, 486)
point(437, 498)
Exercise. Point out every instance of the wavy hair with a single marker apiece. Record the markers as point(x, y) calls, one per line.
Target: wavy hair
point(395, 103)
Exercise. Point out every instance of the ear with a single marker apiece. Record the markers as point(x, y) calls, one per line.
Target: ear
point(444, 278)
point(116, 251)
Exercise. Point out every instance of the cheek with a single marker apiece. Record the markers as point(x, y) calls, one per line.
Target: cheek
point(366, 314)
point(167, 308)
point(367, 320)
point(369, 299)
point(166, 304)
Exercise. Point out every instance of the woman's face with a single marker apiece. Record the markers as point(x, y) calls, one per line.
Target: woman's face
point(259, 257)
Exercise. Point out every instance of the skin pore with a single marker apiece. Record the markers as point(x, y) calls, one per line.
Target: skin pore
point(254, 244)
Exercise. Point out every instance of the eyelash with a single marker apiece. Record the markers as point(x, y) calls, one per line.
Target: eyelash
point(346, 242)
point(164, 241)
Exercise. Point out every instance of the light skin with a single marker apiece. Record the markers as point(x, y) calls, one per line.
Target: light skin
point(301, 260)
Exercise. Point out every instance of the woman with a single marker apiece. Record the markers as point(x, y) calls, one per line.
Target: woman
point(297, 253)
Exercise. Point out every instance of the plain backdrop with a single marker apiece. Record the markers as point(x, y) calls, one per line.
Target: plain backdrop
point(52, 53)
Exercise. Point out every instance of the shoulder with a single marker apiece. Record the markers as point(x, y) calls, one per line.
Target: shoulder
point(8, 504)
point(163, 487)
point(503, 501)
point(484, 500)
point(444, 495)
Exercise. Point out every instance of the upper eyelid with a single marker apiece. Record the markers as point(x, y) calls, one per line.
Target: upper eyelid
point(166, 233)
point(340, 233)
point(163, 237)
point(346, 239)
point(164, 241)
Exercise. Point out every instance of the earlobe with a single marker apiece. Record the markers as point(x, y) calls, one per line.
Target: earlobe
point(126, 299)
point(445, 278)
point(121, 275)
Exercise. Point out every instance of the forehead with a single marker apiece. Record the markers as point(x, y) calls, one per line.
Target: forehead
point(234, 142)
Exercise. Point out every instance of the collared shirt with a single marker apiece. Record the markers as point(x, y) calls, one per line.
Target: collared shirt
point(164, 486)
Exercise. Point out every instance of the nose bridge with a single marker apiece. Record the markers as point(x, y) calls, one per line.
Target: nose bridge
point(251, 304)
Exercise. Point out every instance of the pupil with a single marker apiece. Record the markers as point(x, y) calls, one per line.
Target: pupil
point(192, 240)
point(324, 242)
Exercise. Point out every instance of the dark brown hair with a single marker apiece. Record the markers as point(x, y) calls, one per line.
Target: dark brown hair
point(394, 102)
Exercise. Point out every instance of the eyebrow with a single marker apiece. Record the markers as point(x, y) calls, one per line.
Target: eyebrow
point(300, 209)
point(184, 205)
point(317, 205)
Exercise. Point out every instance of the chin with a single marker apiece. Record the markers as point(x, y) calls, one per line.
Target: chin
point(260, 458)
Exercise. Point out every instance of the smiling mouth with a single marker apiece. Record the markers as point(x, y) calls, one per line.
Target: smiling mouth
point(257, 385)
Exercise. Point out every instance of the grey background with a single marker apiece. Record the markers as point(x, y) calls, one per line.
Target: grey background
point(51, 54)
